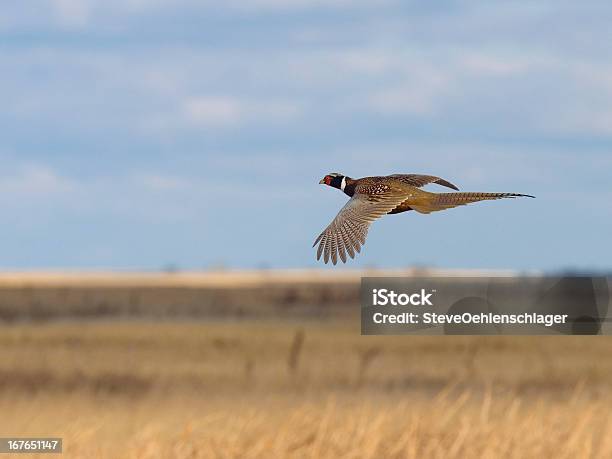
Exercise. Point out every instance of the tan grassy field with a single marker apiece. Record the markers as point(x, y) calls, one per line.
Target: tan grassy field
point(262, 389)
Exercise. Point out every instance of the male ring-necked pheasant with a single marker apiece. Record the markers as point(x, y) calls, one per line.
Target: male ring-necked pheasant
point(373, 197)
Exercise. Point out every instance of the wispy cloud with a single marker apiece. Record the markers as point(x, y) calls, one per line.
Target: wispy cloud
point(422, 96)
point(33, 181)
point(74, 13)
point(225, 111)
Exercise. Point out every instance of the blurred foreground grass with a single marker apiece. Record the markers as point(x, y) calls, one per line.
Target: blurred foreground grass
point(302, 389)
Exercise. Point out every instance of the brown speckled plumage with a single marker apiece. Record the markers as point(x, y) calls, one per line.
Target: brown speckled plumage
point(373, 197)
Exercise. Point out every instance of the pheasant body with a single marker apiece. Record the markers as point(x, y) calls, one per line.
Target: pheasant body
point(373, 197)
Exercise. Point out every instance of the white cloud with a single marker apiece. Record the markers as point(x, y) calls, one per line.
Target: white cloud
point(34, 181)
point(214, 110)
point(418, 95)
point(306, 4)
point(530, 92)
point(487, 64)
point(80, 13)
point(35, 191)
point(408, 99)
point(224, 111)
point(581, 120)
point(160, 182)
point(73, 13)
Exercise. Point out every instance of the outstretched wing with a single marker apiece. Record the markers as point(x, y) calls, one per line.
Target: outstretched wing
point(422, 180)
point(348, 231)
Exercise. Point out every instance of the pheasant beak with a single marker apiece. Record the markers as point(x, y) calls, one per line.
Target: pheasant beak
point(322, 181)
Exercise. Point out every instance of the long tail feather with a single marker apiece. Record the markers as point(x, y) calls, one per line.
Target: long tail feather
point(442, 201)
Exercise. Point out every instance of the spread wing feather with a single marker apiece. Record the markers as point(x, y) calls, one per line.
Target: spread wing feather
point(348, 231)
point(419, 180)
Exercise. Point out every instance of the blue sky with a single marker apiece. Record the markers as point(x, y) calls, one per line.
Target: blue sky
point(137, 134)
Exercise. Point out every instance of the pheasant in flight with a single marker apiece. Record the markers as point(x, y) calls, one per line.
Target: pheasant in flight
point(373, 197)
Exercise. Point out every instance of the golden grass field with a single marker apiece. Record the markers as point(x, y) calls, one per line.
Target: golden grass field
point(267, 389)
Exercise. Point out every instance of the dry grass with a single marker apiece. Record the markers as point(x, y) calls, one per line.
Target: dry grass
point(262, 389)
